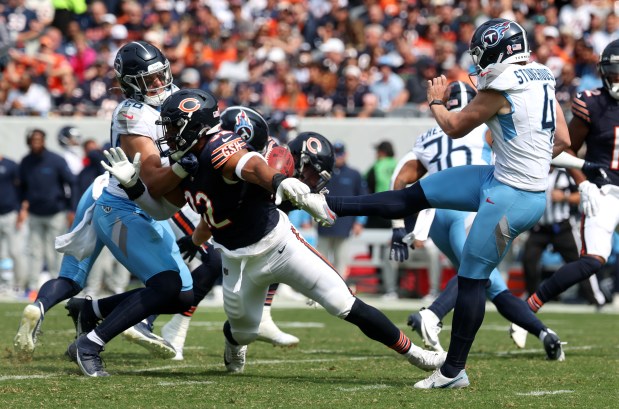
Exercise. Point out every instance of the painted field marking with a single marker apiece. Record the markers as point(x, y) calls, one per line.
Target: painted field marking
point(363, 388)
point(281, 324)
point(179, 383)
point(20, 377)
point(530, 351)
point(542, 393)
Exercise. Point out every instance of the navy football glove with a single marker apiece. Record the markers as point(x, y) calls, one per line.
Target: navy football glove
point(188, 248)
point(399, 249)
point(190, 163)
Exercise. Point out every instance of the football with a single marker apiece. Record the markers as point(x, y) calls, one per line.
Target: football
point(281, 159)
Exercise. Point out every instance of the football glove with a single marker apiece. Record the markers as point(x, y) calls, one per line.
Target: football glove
point(188, 248)
point(125, 172)
point(316, 205)
point(186, 165)
point(589, 198)
point(399, 250)
point(290, 189)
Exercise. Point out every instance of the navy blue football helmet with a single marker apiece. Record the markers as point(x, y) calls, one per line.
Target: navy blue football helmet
point(69, 136)
point(248, 124)
point(609, 68)
point(460, 94)
point(499, 41)
point(313, 159)
point(143, 72)
point(185, 116)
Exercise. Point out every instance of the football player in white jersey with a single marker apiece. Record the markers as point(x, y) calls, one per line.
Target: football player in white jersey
point(516, 100)
point(434, 151)
point(146, 247)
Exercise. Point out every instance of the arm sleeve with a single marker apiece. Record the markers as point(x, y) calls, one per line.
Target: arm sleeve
point(158, 209)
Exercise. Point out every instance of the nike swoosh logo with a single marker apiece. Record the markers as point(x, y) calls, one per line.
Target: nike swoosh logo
point(446, 385)
point(489, 201)
point(226, 139)
point(128, 116)
point(484, 73)
point(282, 249)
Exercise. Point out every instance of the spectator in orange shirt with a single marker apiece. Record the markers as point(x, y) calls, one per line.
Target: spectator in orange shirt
point(292, 98)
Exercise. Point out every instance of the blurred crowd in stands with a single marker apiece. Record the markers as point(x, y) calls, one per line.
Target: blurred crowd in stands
point(337, 58)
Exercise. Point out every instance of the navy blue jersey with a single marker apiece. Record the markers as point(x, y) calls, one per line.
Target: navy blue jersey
point(601, 113)
point(238, 213)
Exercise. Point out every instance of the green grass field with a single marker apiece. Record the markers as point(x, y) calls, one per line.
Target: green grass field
point(334, 366)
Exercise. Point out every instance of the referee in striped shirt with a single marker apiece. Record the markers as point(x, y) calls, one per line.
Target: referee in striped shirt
point(554, 227)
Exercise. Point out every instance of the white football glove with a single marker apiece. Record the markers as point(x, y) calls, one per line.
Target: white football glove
point(290, 189)
point(316, 205)
point(125, 172)
point(589, 198)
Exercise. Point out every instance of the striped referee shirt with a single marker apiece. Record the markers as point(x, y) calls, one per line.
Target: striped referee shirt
point(557, 212)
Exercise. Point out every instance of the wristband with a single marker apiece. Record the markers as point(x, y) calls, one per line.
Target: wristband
point(278, 178)
point(134, 191)
point(179, 171)
point(397, 224)
point(437, 102)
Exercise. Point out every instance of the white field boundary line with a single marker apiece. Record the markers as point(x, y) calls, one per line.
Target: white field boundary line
point(282, 324)
point(542, 393)
point(364, 388)
point(180, 383)
point(531, 351)
point(26, 377)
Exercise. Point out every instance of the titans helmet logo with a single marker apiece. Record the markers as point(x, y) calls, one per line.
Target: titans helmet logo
point(243, 126)
point(494, 34)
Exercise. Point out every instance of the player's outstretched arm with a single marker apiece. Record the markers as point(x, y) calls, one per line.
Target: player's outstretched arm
point(127, 173)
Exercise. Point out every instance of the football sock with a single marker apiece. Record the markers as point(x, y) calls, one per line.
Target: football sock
point(93, 337)
point(446, 301)
point(468, 316)
point(566, 276)
point(55, 291)
point(108, 304)
point(393, 204)
point(206, 275)
point(517, 311)
point(375, 325)
point(270, 294)
point(161, 295)
point(228, 333)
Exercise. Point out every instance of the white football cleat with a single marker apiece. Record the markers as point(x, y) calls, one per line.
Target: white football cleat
point(175, 332)
point(29, 327)
point(518, 335)
point(316, 205)
point(424, 359)
point(270, 332)
point(438, 381)
point(234, 357)
point(428, 326)
point(142, 335)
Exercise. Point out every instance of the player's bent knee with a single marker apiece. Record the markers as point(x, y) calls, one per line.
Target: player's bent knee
point(337, 304)
point(167, 283)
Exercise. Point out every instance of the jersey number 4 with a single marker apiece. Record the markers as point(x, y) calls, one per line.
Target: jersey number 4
point(548, 116)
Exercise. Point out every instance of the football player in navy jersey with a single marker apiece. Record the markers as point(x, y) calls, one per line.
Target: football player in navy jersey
point(233, 189)
point(509, 197)
point(595, 123)
point(433, 151)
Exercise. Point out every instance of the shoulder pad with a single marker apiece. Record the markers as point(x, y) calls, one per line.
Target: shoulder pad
point(491, 77)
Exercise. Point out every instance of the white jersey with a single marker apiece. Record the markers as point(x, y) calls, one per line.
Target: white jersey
point(437, 151)
point(132, 117)
point(524, 138)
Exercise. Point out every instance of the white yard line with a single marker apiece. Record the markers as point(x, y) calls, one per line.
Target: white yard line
point(20, 377)
point(542, 393)
point(363, 388)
